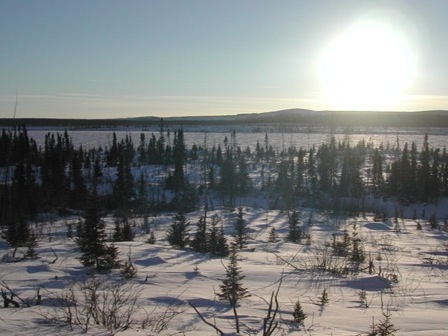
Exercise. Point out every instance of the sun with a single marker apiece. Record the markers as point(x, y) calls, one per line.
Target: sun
point(367, 67)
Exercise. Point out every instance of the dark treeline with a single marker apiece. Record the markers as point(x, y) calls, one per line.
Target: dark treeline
point(158, 173)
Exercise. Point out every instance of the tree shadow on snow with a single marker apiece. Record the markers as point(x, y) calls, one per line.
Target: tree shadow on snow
point(374, 283)
point(218, 306)
point(151, 261)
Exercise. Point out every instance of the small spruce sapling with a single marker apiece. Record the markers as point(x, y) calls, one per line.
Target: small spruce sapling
point(324, 299)
point(31, 245)
point(152, 238)
point(232, 289)
point(298, 313)
point(273, 235)
point(129, 271)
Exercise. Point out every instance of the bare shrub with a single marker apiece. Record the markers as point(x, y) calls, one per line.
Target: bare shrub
point(110, 305)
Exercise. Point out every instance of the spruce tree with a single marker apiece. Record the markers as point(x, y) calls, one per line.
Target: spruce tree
point(177, 232)
point(311, 173)
point(179, 160)
point(232, 289)
point(78, 190)
point(273, 235)
point(127, 234)
point(117, 237)
point(284, 186)
point(240, 233)
point(298, 314)
point(295, 232)
point(242, 176)
point(216, 240)
point(377, 174)
point(424, 171)
point(123, 230)
point(18, 233)
point(97, 174)
point(123, 186)
point(128, 270)
point(228, 183)
point(92, 242)
point(222, 248)
point(199, 242)
point(31, 245)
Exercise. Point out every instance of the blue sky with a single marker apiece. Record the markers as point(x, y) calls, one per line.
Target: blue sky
point(108, 58)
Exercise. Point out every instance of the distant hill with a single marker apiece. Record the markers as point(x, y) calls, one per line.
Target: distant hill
point(290, 117)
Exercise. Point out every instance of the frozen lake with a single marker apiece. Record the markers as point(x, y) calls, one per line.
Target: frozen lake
point(306, 138)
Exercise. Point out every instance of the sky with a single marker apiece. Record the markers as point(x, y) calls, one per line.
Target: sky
point(109, 58)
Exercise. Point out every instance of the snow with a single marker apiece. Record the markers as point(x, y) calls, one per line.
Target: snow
point(417, 297)
point(410, 278)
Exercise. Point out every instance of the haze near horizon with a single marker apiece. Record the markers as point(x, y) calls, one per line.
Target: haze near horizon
point(115, 59)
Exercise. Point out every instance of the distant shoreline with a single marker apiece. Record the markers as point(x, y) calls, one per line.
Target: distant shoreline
point(292, 118)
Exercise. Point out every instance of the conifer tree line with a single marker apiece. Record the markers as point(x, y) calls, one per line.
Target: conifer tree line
point(152, 175)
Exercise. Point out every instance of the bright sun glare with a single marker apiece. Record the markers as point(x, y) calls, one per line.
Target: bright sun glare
point(367, 67)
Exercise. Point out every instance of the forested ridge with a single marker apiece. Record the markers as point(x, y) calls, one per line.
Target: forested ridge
point(289, 117)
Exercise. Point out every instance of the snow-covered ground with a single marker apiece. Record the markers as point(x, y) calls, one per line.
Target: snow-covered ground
point(409, 279)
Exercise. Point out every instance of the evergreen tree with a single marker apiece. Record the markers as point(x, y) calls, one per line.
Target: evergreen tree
point(18, 233)
point(177, 232)
point(357, 255)
point(217, 242)
point(124, 184)
point(301, 169)
point(92, 242)
point(273, 235)
point(219, 156)
point(117, 236)
point(232, 289)
point(405, 182)
point(141, 150)
point(23, 191)
point(128, 270)
point(242, 176)
point(413, 171)
point(311, 171)
point(295, 232)
point(127, 234)
point(227, 185)
point(240, 230)
point(298, 314)
point(179, 161)
point(351, 184)
point(199, 242)
point(55, 183)
point(112, 155)
point(78, 192)
point(123, 231)
point(141, 192)
point(31, 245)
point(377, 174)
point(424, 171)
point(284, 186)
point(97, 174)
point(222, 248)
point(327, 166)
point(434, 178)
